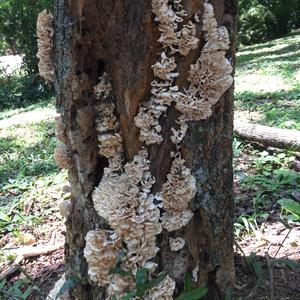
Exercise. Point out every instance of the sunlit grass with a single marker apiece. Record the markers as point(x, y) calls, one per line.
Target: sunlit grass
point(27, 143)
point(267, 81)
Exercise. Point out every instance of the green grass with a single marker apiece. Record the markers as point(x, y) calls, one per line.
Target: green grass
point(27, 166)
point(268, 81)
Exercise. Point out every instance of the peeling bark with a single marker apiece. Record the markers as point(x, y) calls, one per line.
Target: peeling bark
point(120, 38)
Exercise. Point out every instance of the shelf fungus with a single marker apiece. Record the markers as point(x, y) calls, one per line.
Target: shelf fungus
point(62, 156)
point(179, 188)
point(163, 291)
point(45, 33)
point(168, 18)
point(60, 129)
point(176, 220)
point(118, 286)
point(124, 200)
point(124, 196)
point(103, 89)
point(210, 77)
point(176, 244)
point(101, 253)
point(179, 134)
point(109, 137)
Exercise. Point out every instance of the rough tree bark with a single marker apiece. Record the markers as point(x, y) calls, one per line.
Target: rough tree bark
point(120, 37)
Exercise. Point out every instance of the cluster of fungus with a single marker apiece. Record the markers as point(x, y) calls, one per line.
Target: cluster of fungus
point(62, 155)
point(176, 194)
point(45, 45)
point(164, 91)
point(124, 196)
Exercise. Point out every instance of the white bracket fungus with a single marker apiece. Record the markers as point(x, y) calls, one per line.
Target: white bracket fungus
point(163, 291)
point(103, 89)
point(176, 244)
point(62, 156)
point(123, 197)
point(101, 252)
point(110, 140)
point(60, 130)
point(45, 33)
point(124, 200)
point(176, 220)
point(179, 188)
point(210, 76)
point(65, 208)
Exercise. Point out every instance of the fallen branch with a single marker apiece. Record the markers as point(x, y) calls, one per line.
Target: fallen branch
point(269, 136)
point(30, 251)
point(25, 252)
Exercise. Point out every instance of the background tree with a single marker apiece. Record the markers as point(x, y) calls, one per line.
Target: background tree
point(145, 82)
point(17, 28)
point(265, 19)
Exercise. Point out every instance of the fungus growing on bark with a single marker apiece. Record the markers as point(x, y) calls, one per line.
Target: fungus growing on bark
point(119, 285)
point(210, 76)
point(124, 200)
point(176, 244)
point(168, 18)
point(101, 252)
point(45, 33)
point(163, 69)
point(187, 39)
point(178, 134)
point(123, 197)
point(179, 188)
point(176, 220)
point(110, 140)
point(103, 88)
point(163, 291)
point(65, 208)
point(62, 156)
point(60, 129)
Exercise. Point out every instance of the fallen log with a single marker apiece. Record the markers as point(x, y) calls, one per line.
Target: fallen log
point(268, 136)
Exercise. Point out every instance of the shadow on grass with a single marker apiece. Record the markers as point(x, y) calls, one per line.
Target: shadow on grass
point(287, 51)
point(31, 107)
point(269, 44)
point(280, 108)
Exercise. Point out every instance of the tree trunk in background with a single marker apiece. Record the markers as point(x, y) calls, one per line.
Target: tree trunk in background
point(120, 38)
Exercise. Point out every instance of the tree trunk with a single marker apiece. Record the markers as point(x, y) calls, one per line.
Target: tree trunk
point(119, 39)
point(268, 136)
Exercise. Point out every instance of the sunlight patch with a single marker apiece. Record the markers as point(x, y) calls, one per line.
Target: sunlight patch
point(35, 116)
point(260, 83)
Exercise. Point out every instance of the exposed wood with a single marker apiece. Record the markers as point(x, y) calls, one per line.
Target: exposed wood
point(31, 251)
point(269, 136)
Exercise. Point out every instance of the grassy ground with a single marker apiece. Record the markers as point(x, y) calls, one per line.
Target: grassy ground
point(30, 188)
point(266, 183)
point(268, 82)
